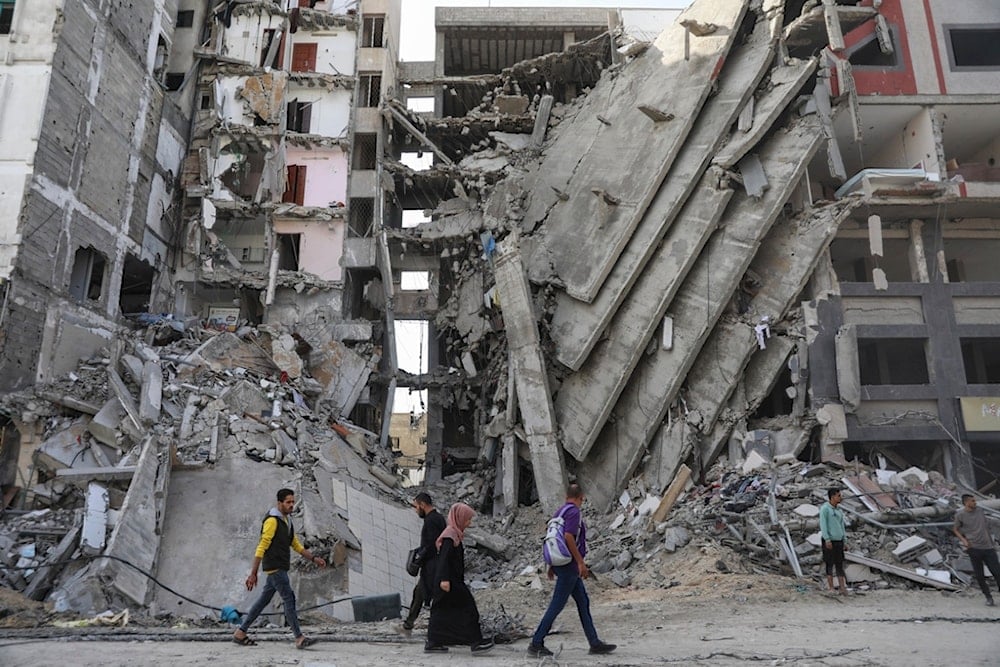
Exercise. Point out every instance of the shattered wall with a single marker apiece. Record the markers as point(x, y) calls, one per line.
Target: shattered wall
point(95, 161)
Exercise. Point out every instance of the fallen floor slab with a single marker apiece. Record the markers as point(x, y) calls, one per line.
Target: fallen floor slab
point(577, 325)
point(706, 291)
point(618, 164)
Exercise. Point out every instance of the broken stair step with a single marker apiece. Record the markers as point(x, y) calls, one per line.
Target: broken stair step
point(585, 234)
point(643, 403)
point(577, 325)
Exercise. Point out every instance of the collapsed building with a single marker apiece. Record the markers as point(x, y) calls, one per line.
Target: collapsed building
point(763, 232)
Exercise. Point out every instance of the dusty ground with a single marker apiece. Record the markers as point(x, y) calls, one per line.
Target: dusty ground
point(708, 618)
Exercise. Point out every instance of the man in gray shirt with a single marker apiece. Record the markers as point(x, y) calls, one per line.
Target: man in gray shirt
point(974, 533)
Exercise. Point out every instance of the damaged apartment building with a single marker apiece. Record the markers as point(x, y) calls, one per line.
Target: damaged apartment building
point(766, 233)
point(635, 242)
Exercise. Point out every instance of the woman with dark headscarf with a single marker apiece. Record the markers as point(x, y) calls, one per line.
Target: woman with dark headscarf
point(454, 616)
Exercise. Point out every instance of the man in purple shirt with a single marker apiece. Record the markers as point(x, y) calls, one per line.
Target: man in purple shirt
point(569, 581)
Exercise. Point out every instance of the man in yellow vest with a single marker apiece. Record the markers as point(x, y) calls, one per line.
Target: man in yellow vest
point(277, 536)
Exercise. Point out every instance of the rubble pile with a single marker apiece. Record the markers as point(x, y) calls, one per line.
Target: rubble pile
point(101, 435)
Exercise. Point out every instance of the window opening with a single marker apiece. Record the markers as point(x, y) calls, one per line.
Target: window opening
point(365, 151)
point(6, 16)
point(974, 47)
point(269, 35)
point(893, 361)
point(361, 215)
point(87, 278)
point(982, 360)
point(420, 104)
point(185, 19)
point(299, 116)
point(137, 285)
point(414, 281)
point(369, 90)
point(288, 251)
point(372, 32)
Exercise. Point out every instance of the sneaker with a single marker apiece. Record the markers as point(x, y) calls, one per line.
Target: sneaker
point(601, 648)
point(484, 646)
point(538, 651)
point(435, 648)
point(407, 626)
point(990, 602)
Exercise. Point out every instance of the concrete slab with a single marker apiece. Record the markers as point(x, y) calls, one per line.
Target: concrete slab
point(530, 374)
point(577, 325)
point(106, 423)
point(232, 529)
point(586, 398)
point(136, 537)
point(784, 84)
point(618, 167)
point(700, 301)
point(783, 264)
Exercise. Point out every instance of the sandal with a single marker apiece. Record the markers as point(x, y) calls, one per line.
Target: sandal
point(305, 643)
point(244, 641)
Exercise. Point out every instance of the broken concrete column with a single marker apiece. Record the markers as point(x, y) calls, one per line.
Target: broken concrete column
point(106, 424)
point(530, 375)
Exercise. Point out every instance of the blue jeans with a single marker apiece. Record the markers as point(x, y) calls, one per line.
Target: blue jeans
point(277, 582)
point(568, 582)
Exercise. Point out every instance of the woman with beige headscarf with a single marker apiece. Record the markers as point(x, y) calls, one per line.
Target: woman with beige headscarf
point(454, 616)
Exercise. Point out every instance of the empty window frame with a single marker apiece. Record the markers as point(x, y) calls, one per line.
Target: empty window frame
point(853, 261)
point(6, 16)
point(86, 282)
point(137, 285)
point(414, 217)
point(279, 58)
point(299, 116)
point(361, 216)
point(288, 251)
point(372, 30)
point(365, 153)
point(973, 47)
point(414, 281)
point(982, 360)
point(185, 19)
point(369, 90)
point(868, 52)
point(893, 361)
point(972, 260)
point(173, 80)
point(420, 104)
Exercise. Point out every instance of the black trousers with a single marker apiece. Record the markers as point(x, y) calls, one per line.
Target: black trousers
point(834, 557)
point(415, 604)
point(987, 557)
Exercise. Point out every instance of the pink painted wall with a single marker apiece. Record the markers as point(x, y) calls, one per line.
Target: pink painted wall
point(326, 174)
point(320, 247)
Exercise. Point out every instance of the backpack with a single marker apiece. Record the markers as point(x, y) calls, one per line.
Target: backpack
point(554, 548)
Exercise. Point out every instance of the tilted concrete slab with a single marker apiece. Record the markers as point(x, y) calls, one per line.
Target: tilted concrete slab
point(618, 164)
point(136, 537)
point(783, 264)
point(585, 399)
point(785, 83)
point(700, 301)
point(530, 376)
point(758, 379)
point(577, 325)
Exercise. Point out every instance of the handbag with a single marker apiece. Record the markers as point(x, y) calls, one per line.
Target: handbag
point(414, 561)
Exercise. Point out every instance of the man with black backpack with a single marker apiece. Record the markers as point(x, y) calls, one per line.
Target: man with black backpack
point(434, 524)
point(569, 578)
